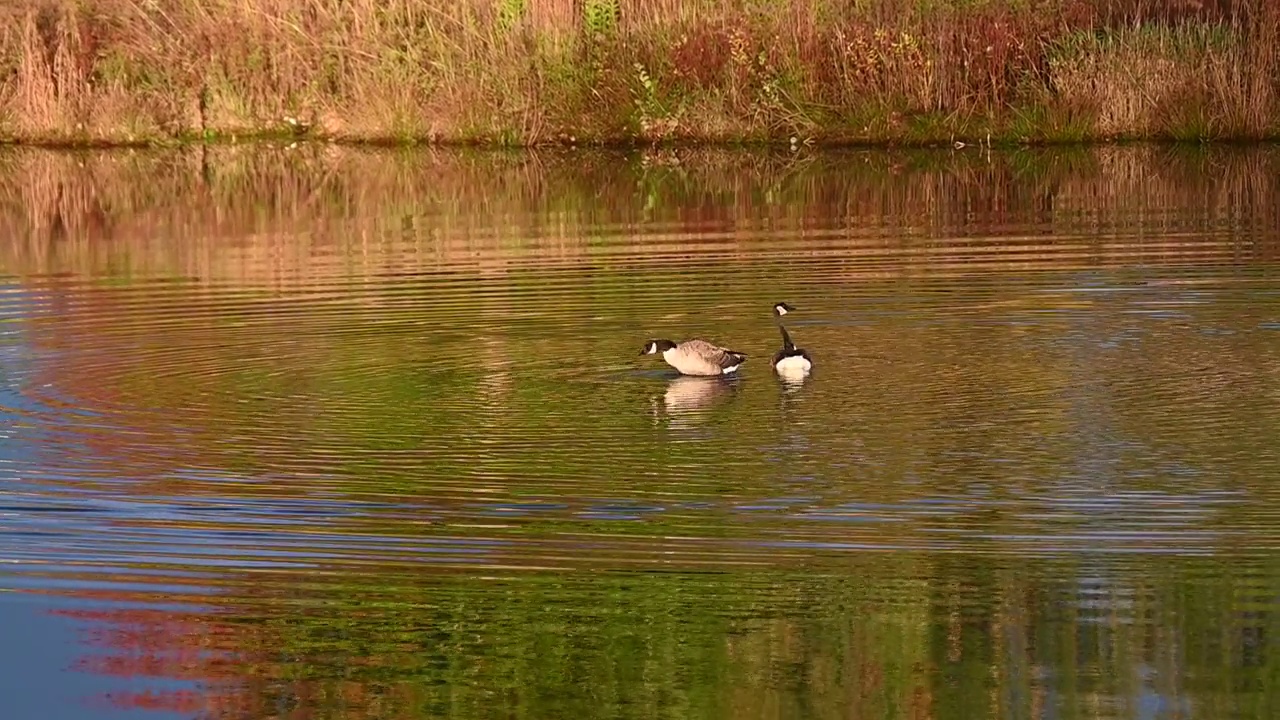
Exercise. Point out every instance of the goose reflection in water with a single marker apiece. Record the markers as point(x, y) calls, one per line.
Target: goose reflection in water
point(688, 399)
point(792, 382)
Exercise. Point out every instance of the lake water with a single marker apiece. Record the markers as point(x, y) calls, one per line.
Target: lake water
point(309, 432)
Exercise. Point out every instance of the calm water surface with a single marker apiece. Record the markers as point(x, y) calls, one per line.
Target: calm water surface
point(320, 433)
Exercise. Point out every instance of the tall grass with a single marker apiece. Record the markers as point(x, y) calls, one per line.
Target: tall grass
point(533, 71)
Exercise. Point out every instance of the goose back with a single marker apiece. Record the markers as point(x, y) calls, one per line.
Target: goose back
point(699, 357)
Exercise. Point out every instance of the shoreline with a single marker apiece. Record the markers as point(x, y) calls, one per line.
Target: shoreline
point(268, 138)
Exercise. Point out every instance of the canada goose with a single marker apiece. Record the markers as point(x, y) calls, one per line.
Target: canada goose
point(696, 357)
point(791, 360)
point(780, 309)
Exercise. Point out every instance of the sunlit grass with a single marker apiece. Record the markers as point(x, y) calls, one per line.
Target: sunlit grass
point(517, 72)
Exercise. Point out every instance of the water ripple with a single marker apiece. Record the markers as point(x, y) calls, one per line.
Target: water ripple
point(394, 432)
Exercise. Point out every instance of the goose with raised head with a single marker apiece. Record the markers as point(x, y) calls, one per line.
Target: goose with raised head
point(696, 357)
point(791, 361)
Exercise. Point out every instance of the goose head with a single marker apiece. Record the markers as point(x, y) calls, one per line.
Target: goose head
point(653, 347)
point(781, 309)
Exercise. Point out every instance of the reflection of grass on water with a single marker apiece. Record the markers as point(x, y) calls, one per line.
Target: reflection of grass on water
point(882, 636)
point(891, 635)
point(515, 72)
point(247, 214)
point(647, 645)
point(650, 645)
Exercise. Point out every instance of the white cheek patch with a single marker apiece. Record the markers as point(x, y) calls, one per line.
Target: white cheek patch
point(729, 369)
point(782, 310)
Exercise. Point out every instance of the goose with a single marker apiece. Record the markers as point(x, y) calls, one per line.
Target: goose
point(791, 360)
point(696, 357)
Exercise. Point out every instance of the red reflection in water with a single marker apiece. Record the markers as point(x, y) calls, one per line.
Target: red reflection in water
point(171, 645)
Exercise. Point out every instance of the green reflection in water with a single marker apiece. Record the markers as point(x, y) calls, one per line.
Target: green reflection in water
point(389, 405)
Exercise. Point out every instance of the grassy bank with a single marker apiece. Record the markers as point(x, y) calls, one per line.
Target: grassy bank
point(536, 71)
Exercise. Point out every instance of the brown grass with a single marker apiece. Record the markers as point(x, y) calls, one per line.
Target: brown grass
point(531, 71)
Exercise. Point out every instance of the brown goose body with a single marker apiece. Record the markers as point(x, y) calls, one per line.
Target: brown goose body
point(696, 357)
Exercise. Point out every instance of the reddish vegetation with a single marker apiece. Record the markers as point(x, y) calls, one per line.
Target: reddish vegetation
point(523, 71)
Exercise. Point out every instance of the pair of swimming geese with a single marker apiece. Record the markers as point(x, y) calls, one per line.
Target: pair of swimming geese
point(699, 357)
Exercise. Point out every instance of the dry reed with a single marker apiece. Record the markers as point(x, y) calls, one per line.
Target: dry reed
point(532, 71)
